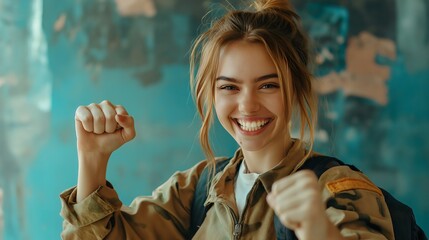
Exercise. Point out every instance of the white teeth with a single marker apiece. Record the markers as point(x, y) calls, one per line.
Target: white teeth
point(252, 126)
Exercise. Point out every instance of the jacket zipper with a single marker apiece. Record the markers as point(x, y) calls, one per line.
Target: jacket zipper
point(237, 226)
point(239, 223)
point(237, 230)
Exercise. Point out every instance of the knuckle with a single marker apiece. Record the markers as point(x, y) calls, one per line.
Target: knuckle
point(311, 186)
point(99, 118)
point(307, 183)
point(106, 102)
point(307, 173)
point(109, 117)
point(92, 105)
point(80, 110)
point(309, 176)
point(86, 118)
point(83, 114)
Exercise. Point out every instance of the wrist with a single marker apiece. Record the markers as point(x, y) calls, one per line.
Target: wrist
point(93, 159)
point(91, 173)
point(93, 165)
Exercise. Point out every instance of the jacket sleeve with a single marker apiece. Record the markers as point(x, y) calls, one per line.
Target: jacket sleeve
point(356, 205)
point(101, 215)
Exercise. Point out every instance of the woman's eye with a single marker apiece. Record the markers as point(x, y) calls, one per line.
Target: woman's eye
point(269, 85)
point(227, 87)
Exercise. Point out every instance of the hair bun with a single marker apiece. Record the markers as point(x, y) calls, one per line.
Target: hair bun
point(261, 5)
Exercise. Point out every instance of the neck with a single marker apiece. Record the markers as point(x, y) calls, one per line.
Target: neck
point(263, 160)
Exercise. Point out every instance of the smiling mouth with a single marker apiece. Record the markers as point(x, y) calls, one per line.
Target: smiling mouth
point(251, 126)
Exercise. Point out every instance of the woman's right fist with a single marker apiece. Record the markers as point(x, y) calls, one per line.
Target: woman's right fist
point(102, 128)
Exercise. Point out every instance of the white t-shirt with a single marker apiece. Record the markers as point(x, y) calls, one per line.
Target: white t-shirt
point(243, 185)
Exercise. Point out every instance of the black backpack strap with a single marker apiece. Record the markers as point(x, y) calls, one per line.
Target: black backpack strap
point(403, 220)
point(198, 211)
point(420, 234)
point(318, 164)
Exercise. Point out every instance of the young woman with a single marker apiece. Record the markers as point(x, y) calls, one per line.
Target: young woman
point(253, 74)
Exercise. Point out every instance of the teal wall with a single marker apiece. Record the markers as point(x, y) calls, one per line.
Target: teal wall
point(49, 67)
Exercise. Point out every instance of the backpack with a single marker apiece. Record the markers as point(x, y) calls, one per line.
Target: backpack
point(404, 222)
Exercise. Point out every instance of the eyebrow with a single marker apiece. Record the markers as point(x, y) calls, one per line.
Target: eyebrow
point(261, 78)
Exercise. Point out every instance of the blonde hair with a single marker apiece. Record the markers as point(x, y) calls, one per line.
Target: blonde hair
point(274, 24)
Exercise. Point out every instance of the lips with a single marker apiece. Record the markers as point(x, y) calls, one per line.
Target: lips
point(252, 125)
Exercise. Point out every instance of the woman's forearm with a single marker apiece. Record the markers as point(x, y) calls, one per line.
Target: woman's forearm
point(91, 174)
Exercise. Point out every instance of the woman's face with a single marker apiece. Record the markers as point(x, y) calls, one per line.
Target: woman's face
point(248, 98)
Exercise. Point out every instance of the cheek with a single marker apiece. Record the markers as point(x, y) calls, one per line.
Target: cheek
point(223, 109)
point(220, 109)
point(277, 107)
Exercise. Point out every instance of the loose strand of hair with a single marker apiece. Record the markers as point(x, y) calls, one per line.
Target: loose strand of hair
point(205, 144)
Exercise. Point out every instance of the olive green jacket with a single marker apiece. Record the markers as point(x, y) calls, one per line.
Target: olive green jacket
point(166, 214)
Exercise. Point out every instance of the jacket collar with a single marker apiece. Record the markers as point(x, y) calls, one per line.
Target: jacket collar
point(223, 183)
point(288, 165)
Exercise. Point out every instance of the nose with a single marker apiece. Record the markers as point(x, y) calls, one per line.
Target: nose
point(248, 103)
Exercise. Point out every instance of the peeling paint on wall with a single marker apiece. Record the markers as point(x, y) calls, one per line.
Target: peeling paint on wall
point(371, 68)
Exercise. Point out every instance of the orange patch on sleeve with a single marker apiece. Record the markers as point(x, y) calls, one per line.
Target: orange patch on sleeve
point(344, 184)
